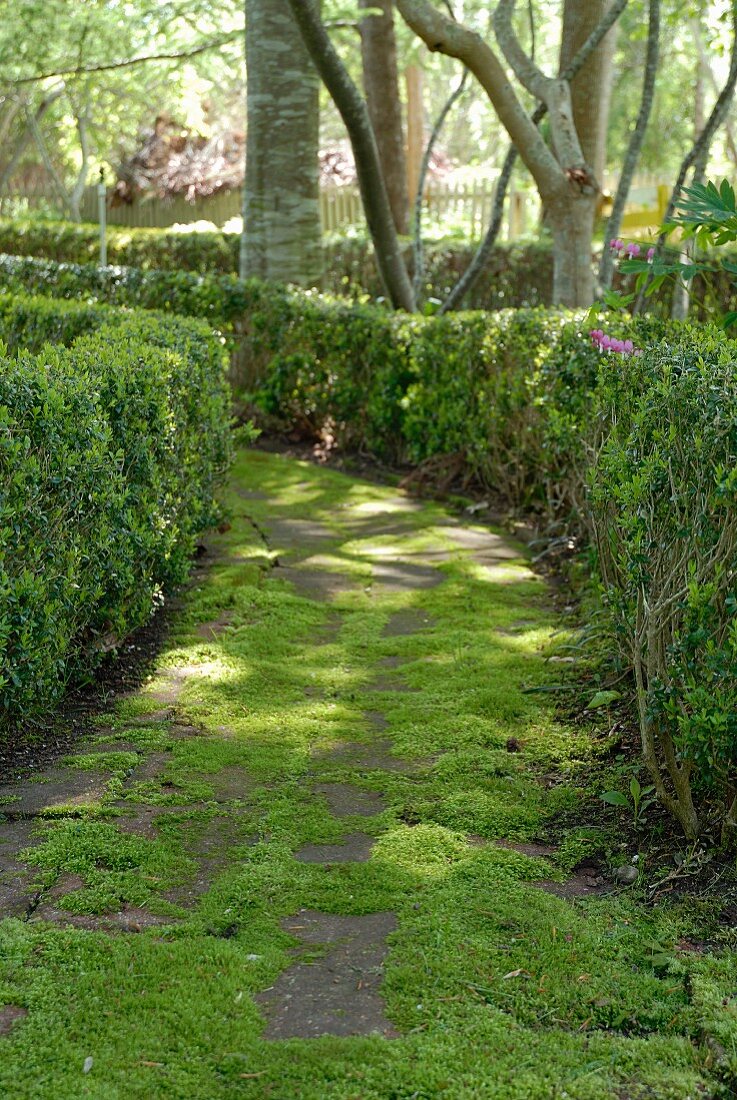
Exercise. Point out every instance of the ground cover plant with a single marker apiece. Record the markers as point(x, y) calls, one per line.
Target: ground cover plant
point(114, 438)
point(329, 734)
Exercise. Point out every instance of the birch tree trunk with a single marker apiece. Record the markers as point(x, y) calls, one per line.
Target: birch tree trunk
point(381, 87)
point(281, 204)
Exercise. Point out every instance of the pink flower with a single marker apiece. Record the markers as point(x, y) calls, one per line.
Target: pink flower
point(604, 342)
point(616, 244)
point(632, 250)
point(650, 255)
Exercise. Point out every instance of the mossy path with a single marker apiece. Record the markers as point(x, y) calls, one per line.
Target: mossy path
point(310, 858)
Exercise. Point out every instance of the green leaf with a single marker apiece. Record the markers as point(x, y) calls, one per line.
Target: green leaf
point(615, 798)
point(603, 699)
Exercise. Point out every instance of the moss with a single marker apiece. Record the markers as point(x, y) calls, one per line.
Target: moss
point(499, 988)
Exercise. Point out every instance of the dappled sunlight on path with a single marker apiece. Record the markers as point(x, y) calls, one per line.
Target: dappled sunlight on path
point(302, 860)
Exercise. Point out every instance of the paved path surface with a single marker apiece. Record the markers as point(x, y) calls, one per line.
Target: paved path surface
point(305, 860)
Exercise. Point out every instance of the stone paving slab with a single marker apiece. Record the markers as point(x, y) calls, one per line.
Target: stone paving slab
point(339, 994)
point(354, 848)
point(49, 789)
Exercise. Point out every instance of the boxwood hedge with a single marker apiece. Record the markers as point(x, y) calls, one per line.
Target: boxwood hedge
point(112, 442)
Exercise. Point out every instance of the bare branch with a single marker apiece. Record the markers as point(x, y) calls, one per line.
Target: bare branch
point(606, 267)
point(417, 211)
point(84, 70)
point(524, 68)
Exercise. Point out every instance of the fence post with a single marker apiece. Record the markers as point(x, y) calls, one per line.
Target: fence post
point(102, 215)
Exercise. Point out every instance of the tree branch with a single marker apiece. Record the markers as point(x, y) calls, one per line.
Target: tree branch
point(524, 68)
point(442, 35)
point(417, 211)
point(83, 70)
point(477, 266)
point(355, 115)
point(606, 267)
point(699, 150)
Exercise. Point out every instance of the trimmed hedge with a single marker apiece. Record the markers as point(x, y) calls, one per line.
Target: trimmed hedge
point(517, 274)
point(79, 243)
point(112, 444)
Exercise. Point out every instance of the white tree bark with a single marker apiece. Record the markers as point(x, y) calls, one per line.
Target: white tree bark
point(281, 207)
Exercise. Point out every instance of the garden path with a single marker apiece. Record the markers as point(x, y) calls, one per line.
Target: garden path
point(310, 857)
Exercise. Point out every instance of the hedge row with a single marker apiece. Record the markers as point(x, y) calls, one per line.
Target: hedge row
point(517, 275)
point(111, 446)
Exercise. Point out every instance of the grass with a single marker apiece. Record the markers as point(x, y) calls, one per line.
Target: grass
point(498, 988)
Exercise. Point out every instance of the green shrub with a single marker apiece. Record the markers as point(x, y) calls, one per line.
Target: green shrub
point(519, 274)
point(73, 242)
point(110, 452)
point(663, 517)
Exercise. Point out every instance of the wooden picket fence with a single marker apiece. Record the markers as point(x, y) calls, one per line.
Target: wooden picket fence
point(466, 207)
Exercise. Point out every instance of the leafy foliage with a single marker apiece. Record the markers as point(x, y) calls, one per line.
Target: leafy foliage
point(110, 450)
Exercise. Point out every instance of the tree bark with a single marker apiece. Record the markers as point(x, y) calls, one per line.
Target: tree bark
point(564, 180)
point(381, 86)
point(629, 165)
point(75, 196)
point(354, 113)
point(26, 136)
point(281, 207)
point(477, 266)
point(591, 89)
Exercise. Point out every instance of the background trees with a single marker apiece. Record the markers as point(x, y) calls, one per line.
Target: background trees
point(77, 100)
point(280, 200)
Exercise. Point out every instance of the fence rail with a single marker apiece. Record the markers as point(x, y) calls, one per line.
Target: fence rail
point(466, 207)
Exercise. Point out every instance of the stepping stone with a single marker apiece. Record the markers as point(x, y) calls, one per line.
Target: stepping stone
point(50, 789)
point(250, 494)
point(345, 800)
point(354, 848)
point(359, 756)
point(154, 718)
point(525, 848)
point(484, 547)
point(10, 1017)
point(17, 890)
point(297, 537)
point(398, 576)
point(585, 880)
point(128, 919)
point(405, 623)
point(319, 585)
point(384, 684)
point(141, 820)
point(152, 767)
point(215, 627)
point(338, 994)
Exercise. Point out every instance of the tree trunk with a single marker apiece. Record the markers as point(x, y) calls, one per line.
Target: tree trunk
point(75, 196)
point(281, 206)
point(353, 111)
point(415, 127)
point(629, 164)
point(591, 89)
point(572, 225)
point(381, 86)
